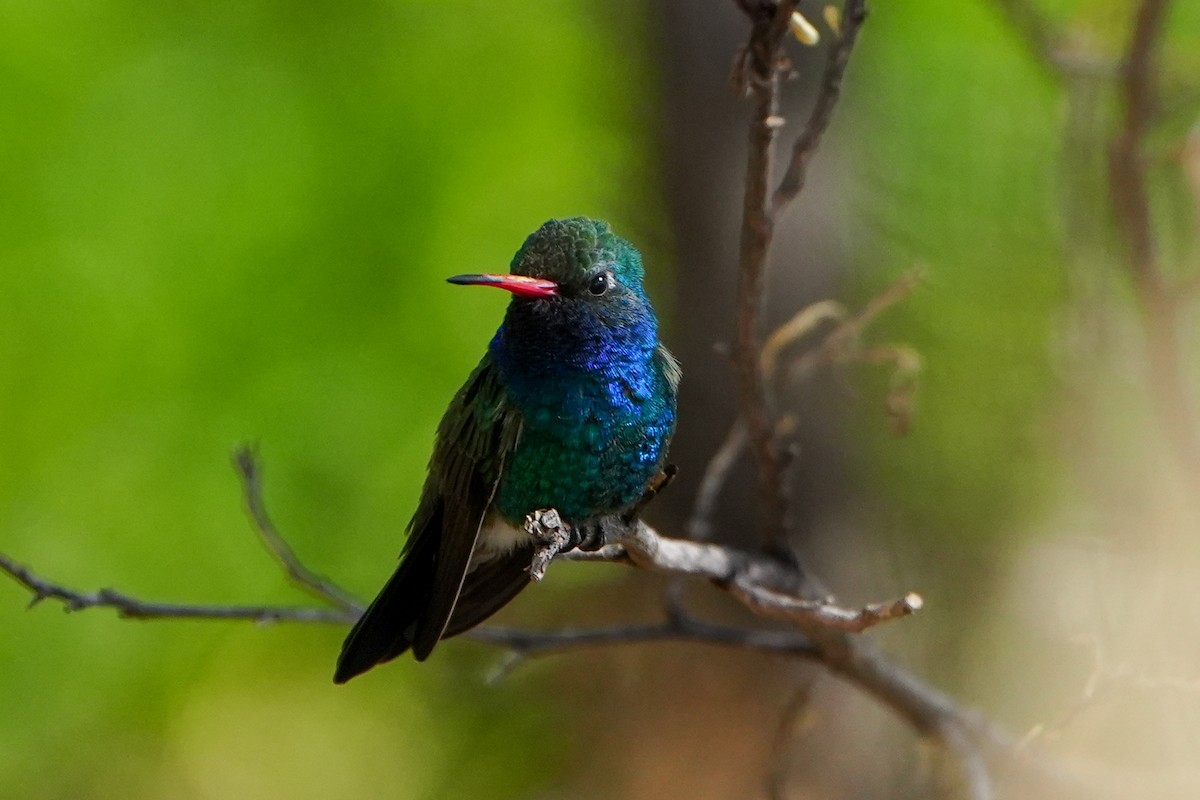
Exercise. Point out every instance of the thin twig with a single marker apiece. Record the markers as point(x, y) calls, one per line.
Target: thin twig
point(843, 342)
point(853, 17)
point(128, 607)
point(802, 323)
point(838, 344)
point(808, 613)
point(700, 526)
point(523, 645)
point(245, 461)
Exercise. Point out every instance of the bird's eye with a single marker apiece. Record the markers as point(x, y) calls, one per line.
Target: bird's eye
point(599, 284)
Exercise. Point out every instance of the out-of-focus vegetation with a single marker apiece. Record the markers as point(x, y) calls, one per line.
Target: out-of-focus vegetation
point(231, 220)
point(228, 221)
point(1040, 497)
point(960, 181)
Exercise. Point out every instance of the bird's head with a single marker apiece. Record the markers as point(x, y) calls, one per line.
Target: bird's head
point(574, 268)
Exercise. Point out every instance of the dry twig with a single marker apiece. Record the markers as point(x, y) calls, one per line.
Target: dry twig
point(853, 17)
point(245, 461)
point(763, 66)
point(128, 607)
point(523, 645)
point(841, 344)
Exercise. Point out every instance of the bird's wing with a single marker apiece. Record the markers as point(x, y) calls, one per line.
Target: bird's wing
point(477, 432)
point(476, 435)
point(489, 587)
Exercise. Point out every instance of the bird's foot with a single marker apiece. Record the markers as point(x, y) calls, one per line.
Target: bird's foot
point(594, 534)
point(551, 536)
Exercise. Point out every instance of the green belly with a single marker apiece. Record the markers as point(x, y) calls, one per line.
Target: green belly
point(582, 479)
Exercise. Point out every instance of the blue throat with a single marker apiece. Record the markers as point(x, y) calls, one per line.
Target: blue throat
point(596, 408)
point(558, 372)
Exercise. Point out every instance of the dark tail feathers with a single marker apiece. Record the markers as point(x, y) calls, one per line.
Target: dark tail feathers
point(389, 625)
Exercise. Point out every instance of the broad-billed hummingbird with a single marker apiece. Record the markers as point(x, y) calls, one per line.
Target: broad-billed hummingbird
point(572, 408)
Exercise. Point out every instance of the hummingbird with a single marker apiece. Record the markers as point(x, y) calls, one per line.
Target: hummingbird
point(572, 408)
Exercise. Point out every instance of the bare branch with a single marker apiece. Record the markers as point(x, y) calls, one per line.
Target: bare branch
point(761, 68)
point(525, 644)
point(839, 344)
point(853, 16)
point(809, 613)
point(716, 475)
point(245, 461)
point(763, 584)
point(128, 607)
point(763, 65)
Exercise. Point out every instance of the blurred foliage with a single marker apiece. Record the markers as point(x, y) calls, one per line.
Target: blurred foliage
point(972, 160)
point(962, 185)
point(231, 220)
point(971, 167)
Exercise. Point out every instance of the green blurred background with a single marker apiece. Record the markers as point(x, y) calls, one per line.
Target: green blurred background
point(229, 221)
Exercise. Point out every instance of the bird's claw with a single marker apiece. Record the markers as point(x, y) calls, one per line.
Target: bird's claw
point(551, 536)
point(595, 534)
point(547, 528)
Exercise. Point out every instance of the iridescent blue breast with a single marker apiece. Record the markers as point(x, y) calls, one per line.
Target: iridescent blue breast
point(596, 421)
